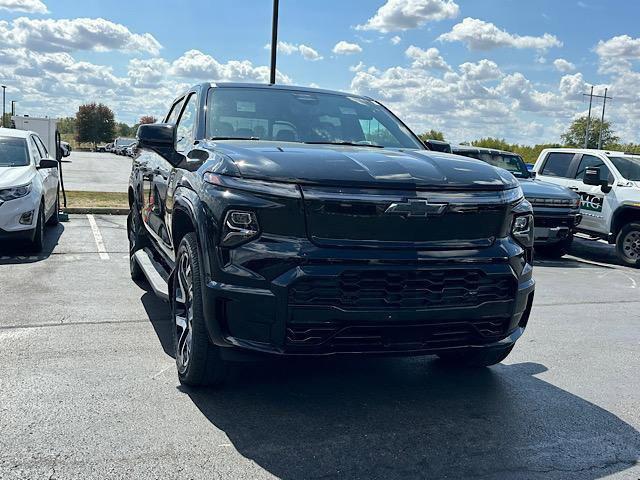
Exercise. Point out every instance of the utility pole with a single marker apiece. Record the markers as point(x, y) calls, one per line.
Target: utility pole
point(274, 41)
point(604, 105)
point(586, 135)
point(4, 89)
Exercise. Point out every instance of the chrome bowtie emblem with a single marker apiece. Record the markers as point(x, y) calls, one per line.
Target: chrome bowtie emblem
point(415, 208)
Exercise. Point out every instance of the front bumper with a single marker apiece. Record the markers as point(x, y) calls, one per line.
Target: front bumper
point(553, 227)
point(292, 298)
point(13, 211)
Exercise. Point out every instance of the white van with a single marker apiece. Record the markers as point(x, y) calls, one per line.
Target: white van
point(609, 185)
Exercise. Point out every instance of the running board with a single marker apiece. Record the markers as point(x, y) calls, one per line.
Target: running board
point(153, 273)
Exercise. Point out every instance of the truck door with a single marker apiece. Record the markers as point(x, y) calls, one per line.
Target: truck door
point(148, 164)
point(50, 177)
point(595, 204)
point(163, 171)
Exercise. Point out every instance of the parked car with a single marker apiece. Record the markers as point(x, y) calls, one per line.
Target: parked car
point(66, 149)
point(296, 221)
point(101, 148)
point(438, 145)
point(608, 183)
point(556, 209)
point(120, 145)
point(130, 151)
point(28, 188)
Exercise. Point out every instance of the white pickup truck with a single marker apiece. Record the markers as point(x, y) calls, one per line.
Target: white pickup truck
point(609, 185)
point(28, 187)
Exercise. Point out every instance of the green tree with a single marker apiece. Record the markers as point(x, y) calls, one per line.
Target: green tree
point(495, 143)
point(574, 136)
point(124, 130)
point(94, 124)
point(432, 135)
point(67, 125)
point(145, 119)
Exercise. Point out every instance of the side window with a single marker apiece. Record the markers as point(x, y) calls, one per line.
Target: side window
point(591, 161)
point(43, 150)
point(175, 111)
point(184, 129)
point(557, 164)
point(35, 152)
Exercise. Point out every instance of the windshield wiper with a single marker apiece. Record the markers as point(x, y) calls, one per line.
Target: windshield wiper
point(234, 138)
point(354, 144)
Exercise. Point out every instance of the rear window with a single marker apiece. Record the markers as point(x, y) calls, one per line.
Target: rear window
point(13, 152)
point(557, 164)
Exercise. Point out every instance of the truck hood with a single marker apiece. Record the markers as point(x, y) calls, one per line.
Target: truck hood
point(540, 189)
point(360, 166)
point(15, 176)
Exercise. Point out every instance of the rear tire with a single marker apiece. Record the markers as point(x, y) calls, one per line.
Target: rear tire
point(198, 361)
point(476, 358)
point(628, 245)
point(137, 241)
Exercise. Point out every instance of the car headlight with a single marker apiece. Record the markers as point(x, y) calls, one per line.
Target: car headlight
point(522, 229)
point(12, 193)
point(240, 226)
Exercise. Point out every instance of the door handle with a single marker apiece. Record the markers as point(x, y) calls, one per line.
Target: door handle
point(575, 189)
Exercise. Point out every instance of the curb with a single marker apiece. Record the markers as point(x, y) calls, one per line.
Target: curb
point(96, 210)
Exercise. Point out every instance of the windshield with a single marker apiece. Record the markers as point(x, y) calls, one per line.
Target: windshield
point(121, 142)
point(307, 117)
point(512, 163)
point(629, 167)
point(13, 152)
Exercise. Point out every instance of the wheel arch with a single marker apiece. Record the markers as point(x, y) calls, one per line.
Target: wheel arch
point(622, 216)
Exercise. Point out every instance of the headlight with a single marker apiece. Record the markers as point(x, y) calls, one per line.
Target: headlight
point(239, 227)
point(522, 229)
point(15, 192)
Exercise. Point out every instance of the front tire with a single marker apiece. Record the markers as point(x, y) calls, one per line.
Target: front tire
point(628, 245)
point(198, 361)
point(476, 358)
point(37, 244)
point(55, 216)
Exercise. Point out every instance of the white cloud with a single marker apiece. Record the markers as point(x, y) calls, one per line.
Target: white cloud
point(622, 46)
point(480, 35)
point(406, 14)
point(430, 58)
point(346, 48)
point(563, 65)
point(287, 48)
point(27, 6)
point(395, 40)
point(147, 73)
point(481, 71)
point(199, 66)
point(49, 35)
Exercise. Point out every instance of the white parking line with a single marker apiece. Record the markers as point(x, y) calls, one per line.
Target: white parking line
point(98, 237)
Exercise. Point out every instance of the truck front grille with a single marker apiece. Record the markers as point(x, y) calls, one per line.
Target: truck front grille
point(404, 289)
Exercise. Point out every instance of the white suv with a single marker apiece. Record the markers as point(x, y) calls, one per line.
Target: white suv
point(609, 184)
point(28, 187)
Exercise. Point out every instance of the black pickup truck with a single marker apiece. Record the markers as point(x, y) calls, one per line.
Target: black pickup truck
point(296, 221)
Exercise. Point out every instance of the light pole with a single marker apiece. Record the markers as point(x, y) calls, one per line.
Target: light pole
point(13, 108)
point(274, 41)
point(4, 89)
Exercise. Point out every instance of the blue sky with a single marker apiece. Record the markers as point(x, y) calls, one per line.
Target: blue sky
point(506, 68)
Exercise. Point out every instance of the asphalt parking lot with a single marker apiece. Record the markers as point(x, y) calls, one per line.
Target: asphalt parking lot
point(89, 390)
point(96, 172)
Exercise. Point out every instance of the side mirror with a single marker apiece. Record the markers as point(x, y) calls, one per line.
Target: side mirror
point(46, 163)
point(533, 175)
point(160, 138)
point(592, 177)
